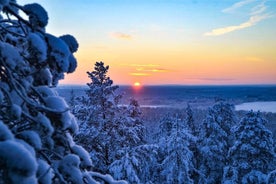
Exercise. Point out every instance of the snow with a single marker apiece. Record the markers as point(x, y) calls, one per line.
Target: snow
point(15, 112)
point(271, 177)
point(72, 64)
point(45, 172)
point(69, 167)
point(36, 127)
point(45, 91)
point(37, 15)
point(45, 124)
point(74, 127)
point(26, 145)
point(5, 132)
point(71, 42)
point(10, 55)
point(4, 86)
point(254, 177)
point(37, 130)
point(107, 178)
point(57, 103)
point(59, 52)
point(44, 76)
point(20, 162)
point(37, 47)
point(66, 120)
point(32, 138)
point(83, 154)
point(16, 98)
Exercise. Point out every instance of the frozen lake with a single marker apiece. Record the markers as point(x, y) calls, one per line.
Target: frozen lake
point(258, 106)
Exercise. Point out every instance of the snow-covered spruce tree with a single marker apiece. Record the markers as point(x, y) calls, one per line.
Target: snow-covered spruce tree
point(36, 127)
point(194, 130)
point(176, 162)
point(95, 112)
point(129, 130)
point(190, 121)
point(136, 159)
point(251, 156)
point(105, 127)
point(215, 141)
point(136, 165)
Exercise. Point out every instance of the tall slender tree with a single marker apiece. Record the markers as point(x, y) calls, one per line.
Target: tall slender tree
point(107, 129)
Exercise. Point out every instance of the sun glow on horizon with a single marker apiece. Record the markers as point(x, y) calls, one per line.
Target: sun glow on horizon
point(137, 84)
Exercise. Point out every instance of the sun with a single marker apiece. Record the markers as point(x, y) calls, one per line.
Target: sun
point(137, 84)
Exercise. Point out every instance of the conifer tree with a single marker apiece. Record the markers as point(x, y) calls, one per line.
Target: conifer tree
point(36, 127)
point(215, 141)
point(136, 165)
point(176, 157)
point(251, 156)
point(190, 121)
point(194, 130)
point(107, 129)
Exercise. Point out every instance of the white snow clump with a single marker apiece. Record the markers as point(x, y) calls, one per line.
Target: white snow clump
point(38, 16)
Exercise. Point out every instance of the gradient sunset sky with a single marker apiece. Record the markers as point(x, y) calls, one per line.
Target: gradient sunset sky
point(170, 41)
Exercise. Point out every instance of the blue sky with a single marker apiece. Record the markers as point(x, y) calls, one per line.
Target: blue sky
point(198, 35)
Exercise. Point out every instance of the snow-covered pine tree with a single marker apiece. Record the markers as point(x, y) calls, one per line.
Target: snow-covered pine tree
point(106, 129)
point(133, 129)
point(137, 159)
point(165, 130)
point(190, 121)
point(251, 156)
point(136, 165)
point(215, 140)
point(36, 127)
point(96, 113)
point(102, 93)
point(194, 130)
point(176, 162)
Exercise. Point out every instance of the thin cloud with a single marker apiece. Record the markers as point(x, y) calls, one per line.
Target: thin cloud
point(121, 36)
point(160, 70)
point(260, 8)
point(257, 14)
point(139, 74)
point(145, 69)
point(217, 79)
point(251, 22)
point(149, 68)
point(153, 70)
point(140, 65)
point(237, 6)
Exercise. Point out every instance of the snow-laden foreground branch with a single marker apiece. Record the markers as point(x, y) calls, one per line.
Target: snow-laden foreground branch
point(37, 128)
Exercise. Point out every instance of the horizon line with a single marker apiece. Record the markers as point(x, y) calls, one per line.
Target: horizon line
point(148, 85)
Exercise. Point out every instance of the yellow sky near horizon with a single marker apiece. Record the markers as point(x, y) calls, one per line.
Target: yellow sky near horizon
point(170, 42)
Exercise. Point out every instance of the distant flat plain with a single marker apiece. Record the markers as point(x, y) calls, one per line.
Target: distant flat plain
point(179, 96)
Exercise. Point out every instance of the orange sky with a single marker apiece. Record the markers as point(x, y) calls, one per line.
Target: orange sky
point(170, 42)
